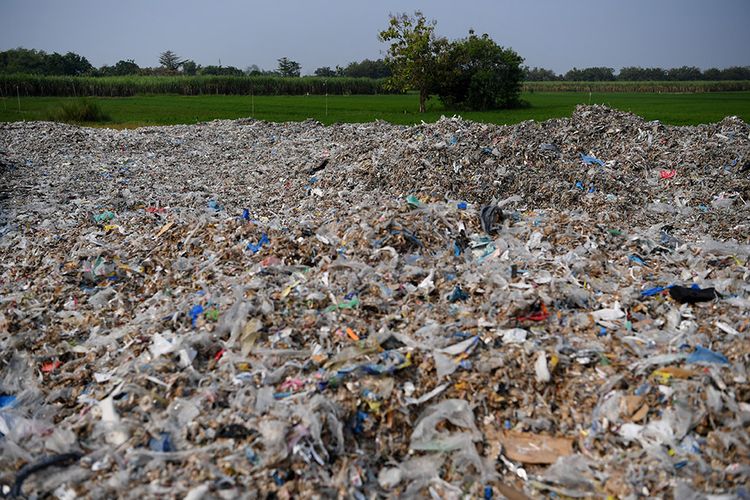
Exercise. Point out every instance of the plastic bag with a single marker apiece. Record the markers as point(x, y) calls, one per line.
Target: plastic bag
point(425, 436)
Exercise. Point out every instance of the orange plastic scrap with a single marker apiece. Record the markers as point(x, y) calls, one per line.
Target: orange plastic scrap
point(352, 334)
point(540, 315)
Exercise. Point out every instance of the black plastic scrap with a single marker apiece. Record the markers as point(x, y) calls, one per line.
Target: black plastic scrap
point(490, 216)
point(234, 431)
point(32, 468)
point(320, 167)
point(683, 294)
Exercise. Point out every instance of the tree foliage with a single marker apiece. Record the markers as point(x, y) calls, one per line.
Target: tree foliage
point(637, 74)
point(413, 54)
point(121, 68)
point(684, 74)
point(170, 61)
point(471, 73)
point(596, 74)
point(33, 61)
point(190, 68)
point(476, 73)
point(221, 70)
point(366, 69)
point(289, 68)
point(540, 75)
point(325, 71)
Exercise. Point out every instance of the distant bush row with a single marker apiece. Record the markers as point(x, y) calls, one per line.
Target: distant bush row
point(126, 86)
point(638, 74)
point(617, 86)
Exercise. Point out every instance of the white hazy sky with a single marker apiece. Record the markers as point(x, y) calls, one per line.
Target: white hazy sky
point(554, 34)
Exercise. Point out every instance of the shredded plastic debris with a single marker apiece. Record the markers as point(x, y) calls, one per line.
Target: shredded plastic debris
point(369, 309)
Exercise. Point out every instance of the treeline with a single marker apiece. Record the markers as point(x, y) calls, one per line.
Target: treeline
point(362, 69)
point(126, 86)
point(694, 87)
point(38, 62)
point(638, 74)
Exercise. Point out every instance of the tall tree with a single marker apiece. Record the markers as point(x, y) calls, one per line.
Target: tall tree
point(170, 61)
point(413, 53)
point(325, 71)
point(190, 67)
point(367, 69)
point(476, 73)
point(540, 75)
point(289, 68)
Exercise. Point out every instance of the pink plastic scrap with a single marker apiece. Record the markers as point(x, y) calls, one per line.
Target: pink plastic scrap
point(668, 174)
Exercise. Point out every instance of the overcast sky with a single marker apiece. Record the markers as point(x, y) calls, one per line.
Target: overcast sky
point(554, 34)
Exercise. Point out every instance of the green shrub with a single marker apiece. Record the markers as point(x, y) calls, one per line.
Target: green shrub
point(80, 111)
point(477, 74)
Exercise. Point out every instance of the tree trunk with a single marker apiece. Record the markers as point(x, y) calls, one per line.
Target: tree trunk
point(422, 100)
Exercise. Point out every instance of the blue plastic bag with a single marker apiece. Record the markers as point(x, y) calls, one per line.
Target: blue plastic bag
point(701, 355)
point(590, 160)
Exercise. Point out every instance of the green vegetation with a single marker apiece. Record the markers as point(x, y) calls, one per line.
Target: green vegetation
point(38, 62)
point(170, 61)
point(645, 86)
point(470, 73)
point(476, 73)
point(126, 86)
point(413, 54)
point(78, 111)
point(678, 109)
point(22, 60)
point(636, 73)
point(288, 68)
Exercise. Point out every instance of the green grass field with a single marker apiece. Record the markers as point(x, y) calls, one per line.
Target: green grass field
point(676, 109)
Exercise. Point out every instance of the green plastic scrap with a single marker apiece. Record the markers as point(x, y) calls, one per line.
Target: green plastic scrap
point(347, 304)
point(212, 314)
point(413, 201)
point(604, 360)
point(104, 216)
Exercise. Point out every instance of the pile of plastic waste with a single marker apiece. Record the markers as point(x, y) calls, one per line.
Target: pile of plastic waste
point(365, 310)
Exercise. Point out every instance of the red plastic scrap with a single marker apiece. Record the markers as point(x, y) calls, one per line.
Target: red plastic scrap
point(219, 354)
point(156, 210)
point(540, 315)
point(668, 174)
point(51, 366)
point(271, 260)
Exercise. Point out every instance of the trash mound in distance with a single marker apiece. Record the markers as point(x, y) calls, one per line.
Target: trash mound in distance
point(373, 310)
